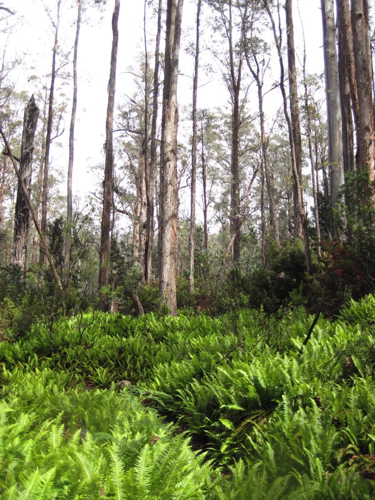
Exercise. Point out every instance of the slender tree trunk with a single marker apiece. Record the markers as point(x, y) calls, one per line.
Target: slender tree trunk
point(109, 161)
point(235, 76)
point(348, 84)
point(263, 217)
point(43, 224)
point(145, 175)
point(69, 207)
point(295, 121)
point(335, 149)
point(22, 211)
point(194, 144)
point(204, 195)
point(3, 187)
point(169, 191)
point(149, 243)
point(142, 182)
point(313, 159)
point(363, 68)
point(266, 171)
point(300, 209)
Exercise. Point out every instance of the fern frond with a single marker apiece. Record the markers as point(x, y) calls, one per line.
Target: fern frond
point(116, 476)
point(143, 469)
point(31, 487)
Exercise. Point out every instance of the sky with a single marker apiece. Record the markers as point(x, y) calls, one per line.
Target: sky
point(34, 42)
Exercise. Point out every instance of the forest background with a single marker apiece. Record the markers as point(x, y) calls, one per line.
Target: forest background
point(180, 322)
point(258, 178)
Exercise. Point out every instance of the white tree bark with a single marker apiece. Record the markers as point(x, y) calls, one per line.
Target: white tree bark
point(335, 150)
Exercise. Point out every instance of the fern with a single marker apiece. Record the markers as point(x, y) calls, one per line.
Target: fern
point(115, 481)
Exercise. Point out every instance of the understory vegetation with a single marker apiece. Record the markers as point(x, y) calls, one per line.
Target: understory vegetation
point(242, 406)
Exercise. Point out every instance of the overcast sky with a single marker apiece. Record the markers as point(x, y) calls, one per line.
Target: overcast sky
point(34, 37)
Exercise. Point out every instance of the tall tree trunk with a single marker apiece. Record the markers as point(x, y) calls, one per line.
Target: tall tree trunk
point(266, 171)
point(43, 224)
point(105, 240)
point(335, 149)
point(348, 84)
point(194, 145)
point(263, 217)
point(204, 195)
point(39, 180)
point(149, 243)
point(363, 68)
point(313, 159)
point(145, 174)
point(22, 211)
point(142, 183)
point(169, 191)
point(299, 206)
point(3, 187)
point(295, 121)
point(69, 207)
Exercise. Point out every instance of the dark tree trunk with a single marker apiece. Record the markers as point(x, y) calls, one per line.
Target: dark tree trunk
point(348, 84)
point(105, 240)
point(363, 69)
point(22, 211)
point(295, 121)
point(300, 216)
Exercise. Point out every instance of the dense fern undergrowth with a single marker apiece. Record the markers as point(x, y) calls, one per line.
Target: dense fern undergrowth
point(103, 406)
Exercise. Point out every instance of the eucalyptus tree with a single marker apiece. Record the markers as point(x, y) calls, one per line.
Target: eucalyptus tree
point(348, 83)
point(227, 13)
point(104, 253)
point(168, 168)
point(291, 118)
point(152, 160)
point(48, 140)
point(258, 61)
point(194, 146)
point(364, 76)
point(335, 146)
point(69, 205)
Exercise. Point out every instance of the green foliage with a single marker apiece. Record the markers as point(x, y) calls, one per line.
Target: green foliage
point(348, 264)
point(269, 418)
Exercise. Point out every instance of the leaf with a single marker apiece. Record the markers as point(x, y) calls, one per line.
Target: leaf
point(228, 424)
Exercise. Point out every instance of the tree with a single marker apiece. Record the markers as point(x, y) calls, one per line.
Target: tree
point(169, 191)
point(22, 212)
point(348, 84)
point(194, 146)
point(335, 149)
point(149, 243)
point(363, 72)
point(48, 140)
point(69, 211)
point(233, 76)
point(257, 69)
point(292, 119)
point(105, 244)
